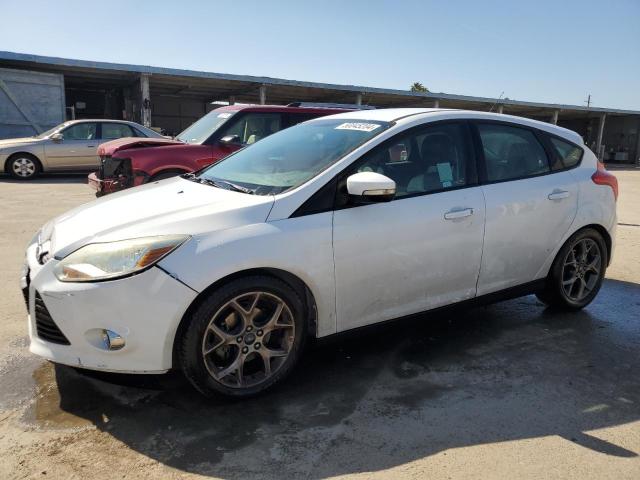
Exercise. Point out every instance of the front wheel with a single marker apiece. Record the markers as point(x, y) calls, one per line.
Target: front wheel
point(244, 338)
point(23, 166)
point(577, 272)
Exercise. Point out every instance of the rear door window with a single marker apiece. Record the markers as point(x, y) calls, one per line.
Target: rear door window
point(511, 152)
point(111, 131)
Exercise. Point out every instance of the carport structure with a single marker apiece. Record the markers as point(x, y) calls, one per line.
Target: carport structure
point(172, 99)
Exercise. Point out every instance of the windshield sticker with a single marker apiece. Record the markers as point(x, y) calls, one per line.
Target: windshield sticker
point(362, 127)
point(224, 115)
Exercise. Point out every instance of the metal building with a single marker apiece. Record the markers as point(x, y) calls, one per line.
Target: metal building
point(172, 99)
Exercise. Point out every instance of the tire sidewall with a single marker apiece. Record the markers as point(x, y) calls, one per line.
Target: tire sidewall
point(556, 280)
point(190, 356)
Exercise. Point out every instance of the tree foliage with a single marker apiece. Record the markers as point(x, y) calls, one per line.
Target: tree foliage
point(418, 87)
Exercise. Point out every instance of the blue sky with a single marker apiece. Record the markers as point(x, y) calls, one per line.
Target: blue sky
point(550, 51)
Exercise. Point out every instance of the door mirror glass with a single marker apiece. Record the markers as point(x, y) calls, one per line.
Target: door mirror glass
point(230, 140)
point(370, 187)
point(57, 137)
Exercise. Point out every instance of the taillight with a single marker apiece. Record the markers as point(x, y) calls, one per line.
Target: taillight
point(603, 177)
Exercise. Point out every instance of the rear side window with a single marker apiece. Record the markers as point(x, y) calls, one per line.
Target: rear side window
point(511, 152)
point(568, 155)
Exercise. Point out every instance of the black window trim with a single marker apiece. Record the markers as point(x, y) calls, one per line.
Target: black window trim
point(309, 207)
point(538, 133)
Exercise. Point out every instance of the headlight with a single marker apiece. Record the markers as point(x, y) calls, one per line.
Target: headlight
point(106, 261)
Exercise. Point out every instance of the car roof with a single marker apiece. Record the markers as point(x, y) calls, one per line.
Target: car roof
point(280, 108)
point(407, 114)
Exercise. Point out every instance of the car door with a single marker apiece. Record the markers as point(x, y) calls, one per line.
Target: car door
point(528, 208)
point(77, 150)
point(421, 250)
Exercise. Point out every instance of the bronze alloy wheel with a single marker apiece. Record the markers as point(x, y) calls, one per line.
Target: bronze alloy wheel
point(248, 339)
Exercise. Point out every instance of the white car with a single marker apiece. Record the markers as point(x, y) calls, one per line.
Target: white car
point(333, 224)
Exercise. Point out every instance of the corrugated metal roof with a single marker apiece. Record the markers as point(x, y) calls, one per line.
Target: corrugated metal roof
point(122, 67)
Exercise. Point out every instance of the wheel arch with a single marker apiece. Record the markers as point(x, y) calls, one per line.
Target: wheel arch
point(21, 153)
point(295, 282)
point(176, 170)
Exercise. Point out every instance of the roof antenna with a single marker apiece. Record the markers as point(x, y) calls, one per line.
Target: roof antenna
point(496, 102)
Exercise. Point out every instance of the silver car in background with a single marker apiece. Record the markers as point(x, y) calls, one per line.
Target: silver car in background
point(70, 146)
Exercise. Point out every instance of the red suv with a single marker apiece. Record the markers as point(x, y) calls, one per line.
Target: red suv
point(128, 162)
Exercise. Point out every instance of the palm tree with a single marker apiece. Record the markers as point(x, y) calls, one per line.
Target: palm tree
point(418, 87)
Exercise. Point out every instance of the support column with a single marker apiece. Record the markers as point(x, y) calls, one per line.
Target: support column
point(637, 159)
point(436, 103)
point(500, 108)
point(263, 94)
point(145, 107)
point(603, 117)
point(359, 98)
point(554, 117)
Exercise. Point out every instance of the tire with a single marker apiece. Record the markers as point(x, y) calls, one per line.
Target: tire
point(23, 166)
point(224, 350)
point(165, 174)
point(574, 281)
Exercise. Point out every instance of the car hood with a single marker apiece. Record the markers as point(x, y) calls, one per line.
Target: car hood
point(127, 143)
point(172, 206)
point(10, 142)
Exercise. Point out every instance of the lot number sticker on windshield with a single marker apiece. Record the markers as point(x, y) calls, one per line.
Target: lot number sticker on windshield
point(363, 127)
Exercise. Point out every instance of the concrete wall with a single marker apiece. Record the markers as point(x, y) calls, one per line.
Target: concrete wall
point(30, 102)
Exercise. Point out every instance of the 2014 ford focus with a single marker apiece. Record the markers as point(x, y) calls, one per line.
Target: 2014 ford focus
point(333, 224)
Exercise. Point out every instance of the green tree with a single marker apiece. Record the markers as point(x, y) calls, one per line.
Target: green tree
point(418, 87)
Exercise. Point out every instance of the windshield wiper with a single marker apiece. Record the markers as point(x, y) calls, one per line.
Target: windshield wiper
point(217, 183)
point(226, 185)
point(190, 176)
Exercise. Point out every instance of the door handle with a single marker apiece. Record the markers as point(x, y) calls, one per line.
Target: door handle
point(558, 195)
point(91, 146)
point(458, 213)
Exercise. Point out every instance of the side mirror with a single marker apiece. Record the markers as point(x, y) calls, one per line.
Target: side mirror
point(230, 140)
point(370, 187)
point(57, 137)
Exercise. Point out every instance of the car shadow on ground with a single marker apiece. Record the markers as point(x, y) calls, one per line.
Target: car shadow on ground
point(48, 178)
point(386, 396)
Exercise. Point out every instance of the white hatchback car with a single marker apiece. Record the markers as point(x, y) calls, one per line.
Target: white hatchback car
point(333, 224)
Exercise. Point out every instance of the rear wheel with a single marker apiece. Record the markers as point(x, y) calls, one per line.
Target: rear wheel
point(577, 272)
point(23, 166)
point(244, 338)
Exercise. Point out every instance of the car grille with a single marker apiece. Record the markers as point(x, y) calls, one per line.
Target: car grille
point(45, 326)
point(116, 169)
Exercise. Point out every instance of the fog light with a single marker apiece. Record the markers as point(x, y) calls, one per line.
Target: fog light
point(112, 341)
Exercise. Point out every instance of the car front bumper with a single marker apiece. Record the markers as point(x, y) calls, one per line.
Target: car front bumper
point(103, 187)
point(144, 309)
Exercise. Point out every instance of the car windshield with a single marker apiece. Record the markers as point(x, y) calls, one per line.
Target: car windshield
point(292, 156)
point(199, 131)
